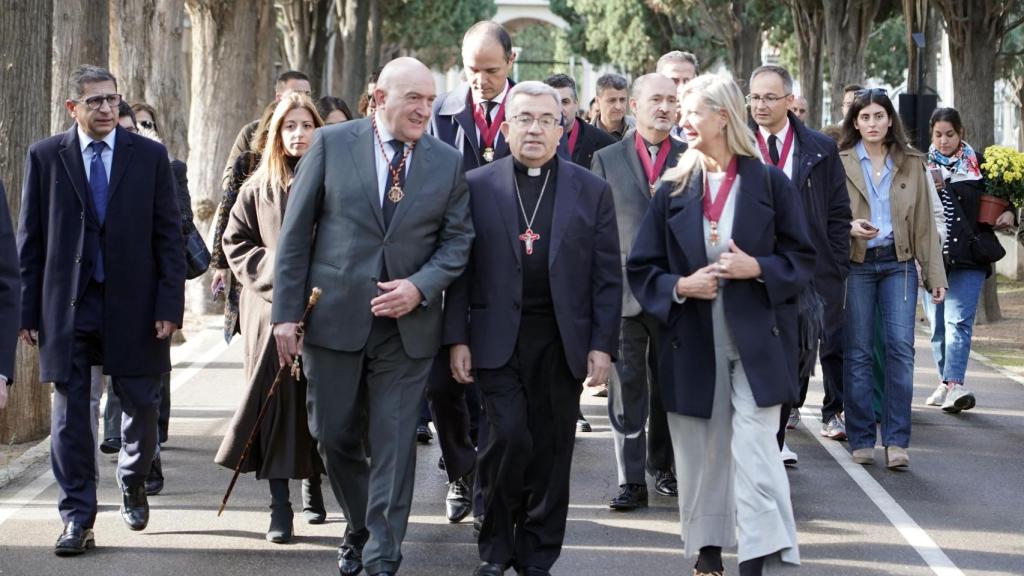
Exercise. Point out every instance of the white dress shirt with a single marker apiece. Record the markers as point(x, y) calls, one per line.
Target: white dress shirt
point(781, 135)
point(84, 140)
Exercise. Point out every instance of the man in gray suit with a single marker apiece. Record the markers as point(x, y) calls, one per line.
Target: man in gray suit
point(378, 217)
point(634, 167)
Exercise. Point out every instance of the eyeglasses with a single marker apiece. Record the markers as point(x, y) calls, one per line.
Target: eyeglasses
point(96, 102)
point(525, 121)
point(768, 99)
point(148, 125)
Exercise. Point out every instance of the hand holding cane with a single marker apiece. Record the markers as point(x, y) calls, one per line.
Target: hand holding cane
point(296, 370)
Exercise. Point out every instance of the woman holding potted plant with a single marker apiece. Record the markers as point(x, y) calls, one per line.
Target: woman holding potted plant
point(968, 252)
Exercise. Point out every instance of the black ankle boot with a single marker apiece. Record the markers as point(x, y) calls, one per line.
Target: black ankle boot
point(313, 500)
point(280, 531)
point(752, 567)
point(709, 561)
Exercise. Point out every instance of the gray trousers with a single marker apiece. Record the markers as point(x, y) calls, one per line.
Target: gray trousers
point(730, 476)
point(633, 397)
point(375, 393)
point(112, 410)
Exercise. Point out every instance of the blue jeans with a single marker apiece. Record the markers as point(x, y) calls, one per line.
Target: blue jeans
point(890, 286)
point(952, 322)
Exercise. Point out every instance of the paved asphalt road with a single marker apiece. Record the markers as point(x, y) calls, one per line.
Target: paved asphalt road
point(959, 509)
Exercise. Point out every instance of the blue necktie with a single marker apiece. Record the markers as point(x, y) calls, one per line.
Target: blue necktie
point(98, 186)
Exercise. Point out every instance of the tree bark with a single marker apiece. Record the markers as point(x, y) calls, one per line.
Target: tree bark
point(976, 29)
point(267, 58)
point(808, 22)
point(79, 37)
point(145, 56)
point(26, 33)
point(224, 48)
point(353, 36)
point(848, 24)
point(920, 16)
point(305, 38)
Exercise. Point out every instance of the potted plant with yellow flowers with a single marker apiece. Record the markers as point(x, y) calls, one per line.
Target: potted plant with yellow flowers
point(1004, 182)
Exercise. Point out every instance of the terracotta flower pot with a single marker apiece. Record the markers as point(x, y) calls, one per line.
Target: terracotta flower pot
point(989, 209)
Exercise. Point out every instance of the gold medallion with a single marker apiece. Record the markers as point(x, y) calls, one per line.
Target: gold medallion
point(714, 233)
point(488, 154)
point(395, 194)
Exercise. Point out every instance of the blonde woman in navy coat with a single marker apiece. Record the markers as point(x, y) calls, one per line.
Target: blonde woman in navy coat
point(719, 260)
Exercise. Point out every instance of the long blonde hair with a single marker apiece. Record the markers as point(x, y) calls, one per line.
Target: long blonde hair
point(717, 92)
point(274, 175)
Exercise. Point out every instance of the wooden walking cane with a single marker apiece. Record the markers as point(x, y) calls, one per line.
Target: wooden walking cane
point(296, 370)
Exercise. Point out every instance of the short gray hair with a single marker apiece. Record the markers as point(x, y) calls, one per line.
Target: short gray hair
point(787, 79)
point(679, 56)
point(611, 81)
point(531, 88)
point(88, 74)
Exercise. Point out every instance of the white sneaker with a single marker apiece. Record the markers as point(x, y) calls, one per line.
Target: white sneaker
point(939, 396)
point(958, 399)
point(834, 428)
point(789, 458)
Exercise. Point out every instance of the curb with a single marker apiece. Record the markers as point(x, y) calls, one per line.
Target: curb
point(981, 358)
point(182, 354)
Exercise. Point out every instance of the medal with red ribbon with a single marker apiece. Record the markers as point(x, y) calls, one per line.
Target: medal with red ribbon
point(713, 209)
point(653, 171)
point(786, 146)
point(574, 135)
point(488, 132)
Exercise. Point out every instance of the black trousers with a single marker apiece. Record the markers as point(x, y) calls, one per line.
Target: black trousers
point(456, 412)
point(72, 446)
point(524, 467)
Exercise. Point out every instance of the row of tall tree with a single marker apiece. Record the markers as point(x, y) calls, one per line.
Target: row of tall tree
point(237, 47)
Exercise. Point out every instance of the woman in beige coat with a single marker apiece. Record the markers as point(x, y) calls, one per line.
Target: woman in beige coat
point(892, 227)
point(283, 448)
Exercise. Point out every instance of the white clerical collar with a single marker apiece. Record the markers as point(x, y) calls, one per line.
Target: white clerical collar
point(781, 135)
point(84, 139)
point(533, 171)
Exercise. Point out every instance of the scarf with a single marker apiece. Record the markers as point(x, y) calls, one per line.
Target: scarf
point(963, 165)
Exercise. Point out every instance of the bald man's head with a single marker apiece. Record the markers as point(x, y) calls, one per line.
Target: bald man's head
point(487, 59)
point(404, 94)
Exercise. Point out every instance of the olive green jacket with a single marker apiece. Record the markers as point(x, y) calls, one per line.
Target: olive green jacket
point(913, 224)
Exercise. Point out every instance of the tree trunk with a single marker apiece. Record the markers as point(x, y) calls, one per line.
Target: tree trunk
point(224, 48)
point(79, 37)
point(746, 47)
point(353, 36)
point(808, 22)
point(305, 38)
point(920, 16)
point(145, 56)
point(976, 30)
point(267, 57)
point(847, 27)
point(376, 39)
point(26, 32)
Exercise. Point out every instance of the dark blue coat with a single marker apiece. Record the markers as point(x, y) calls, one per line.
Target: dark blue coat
point(141, 240)
point(10, 291)
point(482, 308)
point(770, 226)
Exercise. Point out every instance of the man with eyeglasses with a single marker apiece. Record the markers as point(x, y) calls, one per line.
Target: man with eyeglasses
point(103, 275)
point(533, 317)
point(810, 159)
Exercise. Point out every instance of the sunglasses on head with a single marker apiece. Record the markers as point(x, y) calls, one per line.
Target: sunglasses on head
point(148, 125)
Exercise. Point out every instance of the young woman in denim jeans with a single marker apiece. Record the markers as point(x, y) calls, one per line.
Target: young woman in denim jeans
point(958, 166)
point(892, 227)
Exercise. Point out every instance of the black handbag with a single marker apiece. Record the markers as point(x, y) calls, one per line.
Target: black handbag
point(985, 248)
point(197, 256)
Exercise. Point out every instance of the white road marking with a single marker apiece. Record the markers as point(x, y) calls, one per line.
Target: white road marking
point(922, 543)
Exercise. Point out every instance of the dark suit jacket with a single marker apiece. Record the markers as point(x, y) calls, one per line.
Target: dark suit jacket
point(142, 253)
point(770, 226)
point(10, 291)
point(336, 195)
point(590, 140)
point(483, 306)
point(452, 123)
